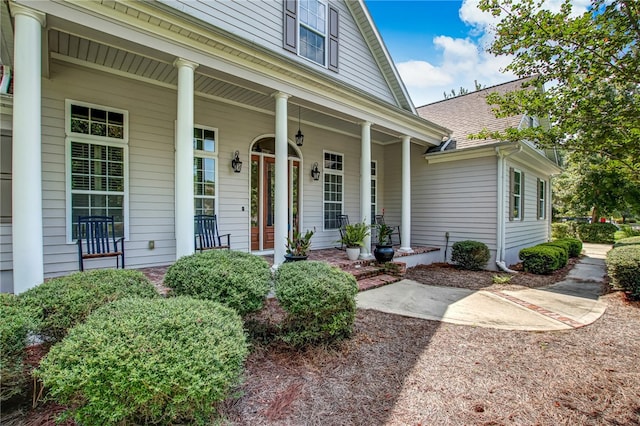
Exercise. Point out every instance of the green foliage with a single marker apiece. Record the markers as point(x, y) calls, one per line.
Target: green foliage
point(354, 234)
point(627, 242)
point(63, 302)
point(626, 231)
point(299, 244)
point(597, 232)
point(564, 246)
point(561, 230)
point(501, 279)
point(574, 246)
point(236, 279)
point(384, 232)
point(147, 361)
point(16, 323)
point(592, 59)
point(471, 255)
point(542, 259)
point(319, 300)
point(623, 266)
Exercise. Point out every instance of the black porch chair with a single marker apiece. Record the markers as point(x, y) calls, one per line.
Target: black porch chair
point(343, 221)
point(207, 236)
point(379, 219)
point(97, 239)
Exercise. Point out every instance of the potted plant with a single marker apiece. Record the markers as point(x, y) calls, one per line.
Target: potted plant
point(353, 238)
point(384, 250)
point(298, 246)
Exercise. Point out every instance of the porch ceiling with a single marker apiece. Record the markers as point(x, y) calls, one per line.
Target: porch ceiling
point(74, 43)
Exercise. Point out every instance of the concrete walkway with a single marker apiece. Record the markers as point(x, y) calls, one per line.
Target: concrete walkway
point(568, 304)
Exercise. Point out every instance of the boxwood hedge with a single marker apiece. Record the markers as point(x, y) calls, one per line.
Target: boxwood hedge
point(542, 259)
point(574, 246)
point(319, 300)
point(147, 361)
point(564, 258)
point(602, 233)
point(63, 302)
point(630, 241)
point(236, 279)
point(472, 255)
point(623, 266)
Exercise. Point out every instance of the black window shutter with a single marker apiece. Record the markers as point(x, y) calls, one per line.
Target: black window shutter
point(290, 30)
point(538, 210)
point(333, 39)
point(511, 187)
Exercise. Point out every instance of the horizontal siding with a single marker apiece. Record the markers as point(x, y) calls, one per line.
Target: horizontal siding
point(357, 67)
point(454, 197)
point(531, 230)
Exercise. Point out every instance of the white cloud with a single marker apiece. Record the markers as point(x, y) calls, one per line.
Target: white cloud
point(464, 61)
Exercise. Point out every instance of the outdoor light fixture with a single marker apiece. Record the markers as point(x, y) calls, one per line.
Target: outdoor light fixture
point(315, 173)
point(299, 135)
point(236, 164)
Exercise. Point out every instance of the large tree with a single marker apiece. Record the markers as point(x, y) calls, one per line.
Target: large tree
point(589, 66)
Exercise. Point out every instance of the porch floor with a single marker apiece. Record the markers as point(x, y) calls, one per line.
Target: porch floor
point(367, 273)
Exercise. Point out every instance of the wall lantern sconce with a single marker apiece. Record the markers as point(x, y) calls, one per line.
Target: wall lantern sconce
point(236, 164)
point(315, 173)
point(299, 135)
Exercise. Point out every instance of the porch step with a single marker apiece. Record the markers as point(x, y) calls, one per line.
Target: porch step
point(377, 281)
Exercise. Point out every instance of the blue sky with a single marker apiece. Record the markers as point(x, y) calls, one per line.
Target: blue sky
point(439, 45)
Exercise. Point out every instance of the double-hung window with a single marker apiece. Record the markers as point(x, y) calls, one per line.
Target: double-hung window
point(516, 194)
point(313, 30)
point(542, 194)
point(333, 189)
point(97, 164)
point(204, 169)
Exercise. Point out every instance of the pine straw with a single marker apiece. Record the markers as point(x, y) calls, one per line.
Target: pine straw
point(405, 371)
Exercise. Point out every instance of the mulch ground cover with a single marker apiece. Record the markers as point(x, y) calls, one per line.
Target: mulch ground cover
point(405, 371)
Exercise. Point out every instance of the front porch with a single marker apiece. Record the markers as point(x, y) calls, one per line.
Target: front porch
point(368, 273)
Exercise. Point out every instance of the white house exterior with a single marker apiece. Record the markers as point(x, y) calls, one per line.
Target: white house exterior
point(136, 109)
point(495, 192)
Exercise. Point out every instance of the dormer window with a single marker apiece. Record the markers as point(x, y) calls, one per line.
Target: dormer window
point(311, 31)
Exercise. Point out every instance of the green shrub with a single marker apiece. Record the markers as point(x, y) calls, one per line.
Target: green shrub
point(541, 259)
point(472, 255)
point(623, 266)
point(564, 258)
point(626, 231)
point(627, 242)
point(597, 232)
point(15, 326)
point(63, 302)
point(561, 230)
point(319, 300)
point(575, 246)
point(147, 361)
point(236, 279)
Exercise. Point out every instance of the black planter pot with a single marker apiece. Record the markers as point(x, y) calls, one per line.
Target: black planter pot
point(293, 258)
point(383, 253)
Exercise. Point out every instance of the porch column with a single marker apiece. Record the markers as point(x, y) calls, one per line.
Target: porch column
point(365, 183)
point(184, 209)
point(281, 219)
point(405, 229)
point(27, 236)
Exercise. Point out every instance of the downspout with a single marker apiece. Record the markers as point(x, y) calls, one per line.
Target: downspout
point(500, 234)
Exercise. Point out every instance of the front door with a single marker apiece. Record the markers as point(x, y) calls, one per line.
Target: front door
point(263, 165)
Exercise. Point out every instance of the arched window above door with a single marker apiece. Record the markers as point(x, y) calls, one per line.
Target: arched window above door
point(268, 146)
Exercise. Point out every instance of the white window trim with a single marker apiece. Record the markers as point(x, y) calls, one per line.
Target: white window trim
point(213, 155)
point(326, 171)
point(101, 140)
point(542, 213)
point(512, 194)
point(325, 35)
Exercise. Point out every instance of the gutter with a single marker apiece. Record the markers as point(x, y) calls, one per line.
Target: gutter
point(500, 233)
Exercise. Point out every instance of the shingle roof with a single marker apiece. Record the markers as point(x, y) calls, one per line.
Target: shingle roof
point(470, 113)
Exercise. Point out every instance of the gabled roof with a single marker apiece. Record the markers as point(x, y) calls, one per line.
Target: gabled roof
point(470, 113)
